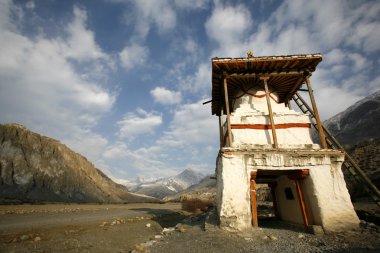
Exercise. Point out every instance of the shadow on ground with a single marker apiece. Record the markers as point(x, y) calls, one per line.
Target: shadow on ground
point(164, 217)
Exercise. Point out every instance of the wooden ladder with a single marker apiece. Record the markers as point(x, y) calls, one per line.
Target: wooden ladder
point(349, 163)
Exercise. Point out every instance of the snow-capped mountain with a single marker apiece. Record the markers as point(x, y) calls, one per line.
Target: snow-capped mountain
point(167, 186)
point(359, 122)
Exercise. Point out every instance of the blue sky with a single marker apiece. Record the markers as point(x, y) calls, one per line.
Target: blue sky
point(122, 81)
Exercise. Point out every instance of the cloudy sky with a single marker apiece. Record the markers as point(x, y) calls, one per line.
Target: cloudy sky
point(123, 81)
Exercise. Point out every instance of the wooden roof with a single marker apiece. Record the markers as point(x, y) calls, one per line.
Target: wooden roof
point(286, 75)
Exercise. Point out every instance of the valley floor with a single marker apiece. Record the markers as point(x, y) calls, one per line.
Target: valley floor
point(128, 227)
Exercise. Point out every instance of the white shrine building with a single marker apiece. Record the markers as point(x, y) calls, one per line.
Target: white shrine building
point(262, 140)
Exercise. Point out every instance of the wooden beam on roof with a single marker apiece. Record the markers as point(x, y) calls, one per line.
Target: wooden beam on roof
point(278, 73)
point(274, 135)
point(316, 114)
point(228, 113)
point(294, 89)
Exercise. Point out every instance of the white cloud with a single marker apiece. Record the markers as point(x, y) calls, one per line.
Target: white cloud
point(41, 88)
point(141, 122)
point(116, 151)
point(228, 26)
point(199, 82)
point(195, 4)
point(164, 96)
point(81, 44)
point(159, 13)
point(191, 124)
point(30, 5)
point(133, 56)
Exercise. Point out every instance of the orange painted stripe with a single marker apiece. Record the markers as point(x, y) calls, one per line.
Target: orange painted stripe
point(277, 126)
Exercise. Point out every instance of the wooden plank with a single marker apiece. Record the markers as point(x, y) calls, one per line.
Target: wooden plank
point(316, 114)
point(255, 222)
point(228, 113)
point(274, 135)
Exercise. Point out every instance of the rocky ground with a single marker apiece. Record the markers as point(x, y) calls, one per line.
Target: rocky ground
point(160, 228)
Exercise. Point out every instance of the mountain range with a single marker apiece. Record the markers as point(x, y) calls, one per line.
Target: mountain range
point(167, 186)
point(359, 122)
point(35, 168)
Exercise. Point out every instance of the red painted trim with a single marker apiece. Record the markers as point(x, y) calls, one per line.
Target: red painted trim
point(277, 126)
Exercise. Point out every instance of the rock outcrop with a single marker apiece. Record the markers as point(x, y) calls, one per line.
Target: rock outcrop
point(35, 168)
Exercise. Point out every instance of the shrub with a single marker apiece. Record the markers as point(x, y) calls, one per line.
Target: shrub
point(195, 205)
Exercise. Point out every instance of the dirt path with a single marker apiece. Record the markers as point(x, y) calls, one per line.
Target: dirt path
point(82, 228)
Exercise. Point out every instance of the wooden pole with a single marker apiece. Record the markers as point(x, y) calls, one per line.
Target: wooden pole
point(221, 128)
point(274, 135)
point(255, 222)
point(302, 203)
point(316, 114)
point(297, 175)
point(228, 113)
point(220, 132)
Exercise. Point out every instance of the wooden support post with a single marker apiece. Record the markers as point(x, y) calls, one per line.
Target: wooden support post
point(273, 186)
point(255, 222)
point(220, 131)
point(228, 113)
point(302, 203)
point(221, 128)
point(274, 135)
point(297, 176)
point(316, 114)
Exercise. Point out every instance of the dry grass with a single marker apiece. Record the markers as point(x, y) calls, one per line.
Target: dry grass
point(196, 205)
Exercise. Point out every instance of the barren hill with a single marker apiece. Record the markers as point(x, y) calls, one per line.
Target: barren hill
point(35, 168)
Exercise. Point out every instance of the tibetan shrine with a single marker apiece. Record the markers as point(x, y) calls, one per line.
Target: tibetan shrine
point(264, 141)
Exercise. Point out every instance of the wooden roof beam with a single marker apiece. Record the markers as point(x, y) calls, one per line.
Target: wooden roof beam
point(281, 73)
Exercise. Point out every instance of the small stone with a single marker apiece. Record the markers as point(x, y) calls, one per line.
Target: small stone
point(265, 237)
point(167, 231)
point(139, 247)
point(300, 236)
point(272, 237)
point(158, 237)
point(148, 225)
point(103, 224)
point(37, 239)
point(24, 237)
point(149, 243)
point(182, 229)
